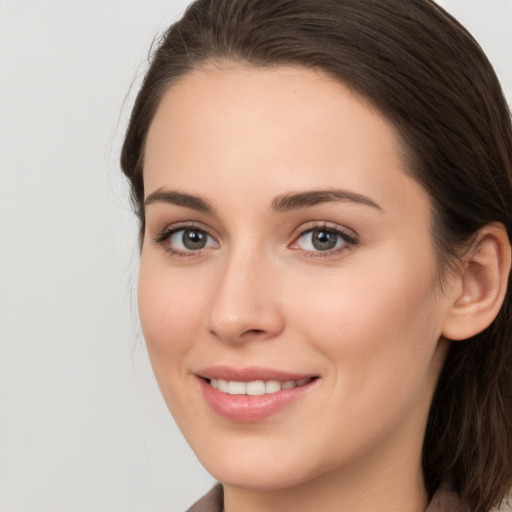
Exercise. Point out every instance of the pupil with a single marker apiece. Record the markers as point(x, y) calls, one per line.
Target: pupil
point(194, 239)
point(324, 240)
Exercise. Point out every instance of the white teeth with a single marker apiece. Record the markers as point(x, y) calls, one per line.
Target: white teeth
point(272, 386)
point(255, 387)
point(237, 388)
point(223, 386)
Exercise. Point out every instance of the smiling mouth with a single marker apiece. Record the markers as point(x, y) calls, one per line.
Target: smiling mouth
point(256, 387)
point(254, 394)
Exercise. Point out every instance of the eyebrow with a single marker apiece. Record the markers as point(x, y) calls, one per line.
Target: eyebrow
point(283, 203)
point(306, 199)
point(179, 199)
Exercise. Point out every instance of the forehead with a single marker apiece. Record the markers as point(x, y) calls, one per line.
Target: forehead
point(272, 129)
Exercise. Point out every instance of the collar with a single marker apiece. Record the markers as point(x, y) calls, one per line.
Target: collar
point(443, 500)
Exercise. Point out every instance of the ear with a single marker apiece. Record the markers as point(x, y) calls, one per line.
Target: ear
point(482, 286)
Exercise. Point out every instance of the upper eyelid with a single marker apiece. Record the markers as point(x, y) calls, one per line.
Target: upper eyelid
point(178, 226)
point(327, 225)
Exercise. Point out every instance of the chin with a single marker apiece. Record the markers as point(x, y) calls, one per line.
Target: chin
point(263, 466)
point(268, 476)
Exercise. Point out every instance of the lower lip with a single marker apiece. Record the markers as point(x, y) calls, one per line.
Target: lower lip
point(247, 408)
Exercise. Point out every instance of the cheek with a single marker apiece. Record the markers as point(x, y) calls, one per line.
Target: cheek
point(378, 322)
point(170, 313)
point(379, 332)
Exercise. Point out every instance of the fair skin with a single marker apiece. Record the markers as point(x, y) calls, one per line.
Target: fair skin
point(338, 292)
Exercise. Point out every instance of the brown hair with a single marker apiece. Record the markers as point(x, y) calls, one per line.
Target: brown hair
point(426, 73)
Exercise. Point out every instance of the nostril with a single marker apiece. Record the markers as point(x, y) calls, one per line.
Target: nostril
point(253, 332)
point(247, 335)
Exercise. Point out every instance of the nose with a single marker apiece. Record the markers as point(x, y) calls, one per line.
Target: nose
point(245, 305)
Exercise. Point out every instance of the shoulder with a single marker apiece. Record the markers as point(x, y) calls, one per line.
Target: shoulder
point(444, 500)
point(211, 502)
point(506, 504)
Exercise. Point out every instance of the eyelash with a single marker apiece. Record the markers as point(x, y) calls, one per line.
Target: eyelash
point(164, 236)
point(348, 241)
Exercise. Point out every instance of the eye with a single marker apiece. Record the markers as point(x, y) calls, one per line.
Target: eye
point(190, 240)
point(323, 239)
point(185, 241)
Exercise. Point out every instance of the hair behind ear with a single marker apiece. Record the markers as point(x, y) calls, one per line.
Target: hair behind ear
point(474, 392)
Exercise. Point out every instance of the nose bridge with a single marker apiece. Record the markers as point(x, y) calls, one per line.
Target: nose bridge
point(245, 303)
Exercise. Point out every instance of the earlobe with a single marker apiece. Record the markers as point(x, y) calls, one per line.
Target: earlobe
point(482, 286)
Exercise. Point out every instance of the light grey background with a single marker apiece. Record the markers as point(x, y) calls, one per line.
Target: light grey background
point(82, 423)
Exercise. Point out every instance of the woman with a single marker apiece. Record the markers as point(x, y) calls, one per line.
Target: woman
point(324, 192)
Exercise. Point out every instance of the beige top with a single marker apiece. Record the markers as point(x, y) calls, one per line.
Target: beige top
point(442, 501)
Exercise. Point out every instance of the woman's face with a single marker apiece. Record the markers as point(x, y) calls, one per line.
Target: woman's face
point(287, 291)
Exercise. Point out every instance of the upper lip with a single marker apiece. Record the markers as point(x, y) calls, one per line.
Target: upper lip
point(249, 374)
